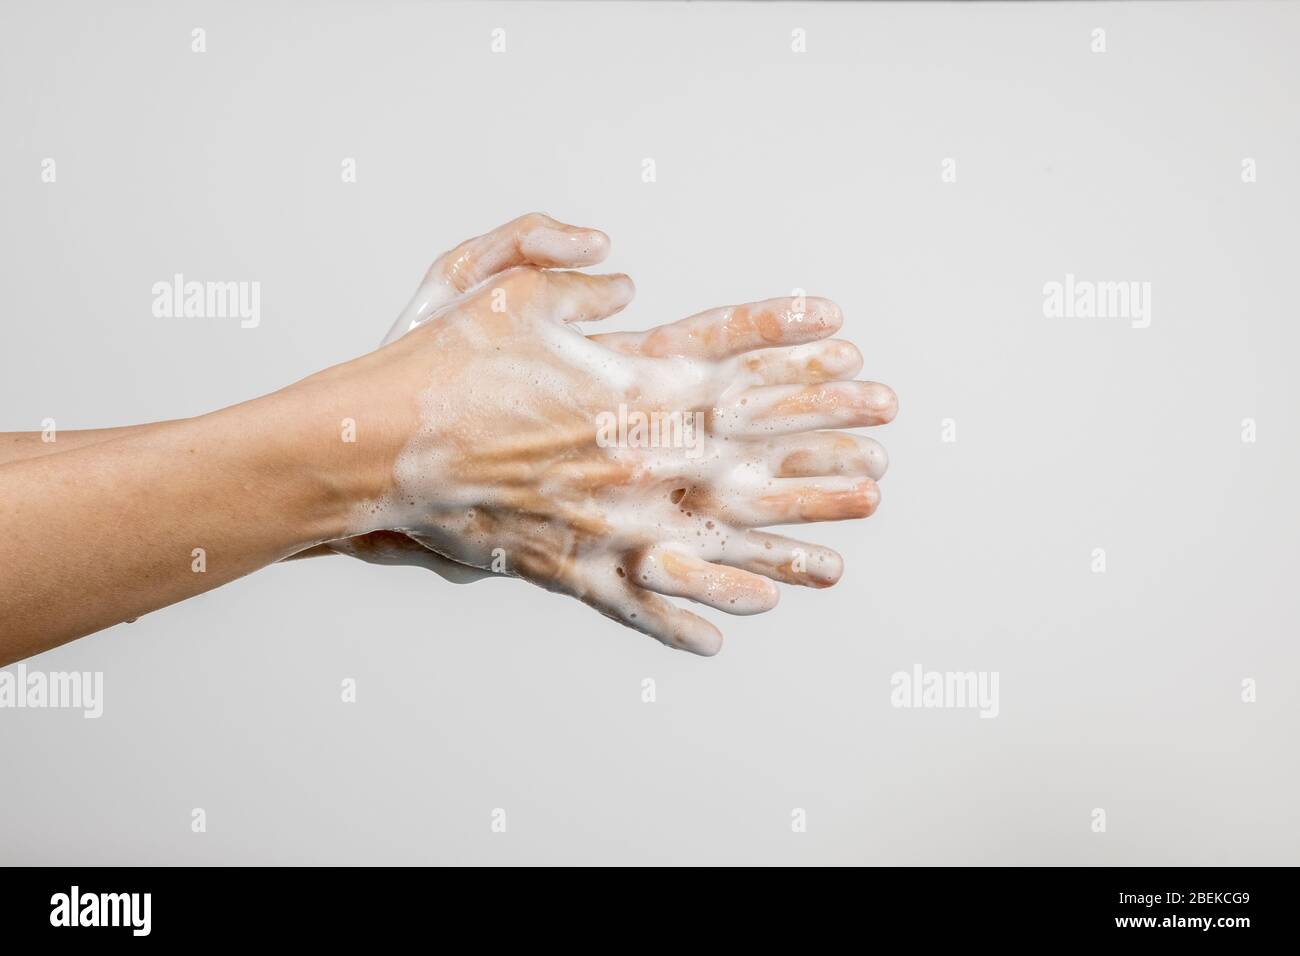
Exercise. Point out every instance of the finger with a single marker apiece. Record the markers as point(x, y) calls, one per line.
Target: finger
point(651, 614)
point(677, 573)
point(826, 361)
point(812, 454)
point(779, 409)
point(802, 500)
point(535, 239)
point(721, 333)
point(531, 240)
point(579, 297)
point(782, 559)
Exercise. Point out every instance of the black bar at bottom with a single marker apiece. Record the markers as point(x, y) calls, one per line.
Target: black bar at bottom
point(655, 907)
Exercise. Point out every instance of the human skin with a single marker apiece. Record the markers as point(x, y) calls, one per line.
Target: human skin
point(478, 441)
point(534, 239)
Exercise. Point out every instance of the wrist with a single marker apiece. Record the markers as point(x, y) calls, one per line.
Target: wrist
point(341, 441)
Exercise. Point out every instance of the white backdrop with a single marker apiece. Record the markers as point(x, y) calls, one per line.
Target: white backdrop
point(774, 170)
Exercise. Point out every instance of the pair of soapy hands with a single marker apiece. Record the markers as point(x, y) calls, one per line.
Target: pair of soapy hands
point(505, 471)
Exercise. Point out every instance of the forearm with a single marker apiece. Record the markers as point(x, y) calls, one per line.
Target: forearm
point(21, 446)
point(103, 533)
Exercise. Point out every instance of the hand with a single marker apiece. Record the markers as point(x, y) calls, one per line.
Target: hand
point(534, 239)
point(493, 434)
point(508, 455)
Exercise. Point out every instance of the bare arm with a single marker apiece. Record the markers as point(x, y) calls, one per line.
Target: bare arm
point(493, 433)
point(22, 446)
point(534, 239)
point(25, 446)
point(107, 530)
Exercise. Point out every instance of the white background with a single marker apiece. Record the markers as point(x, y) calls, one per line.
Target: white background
point(775, 171)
